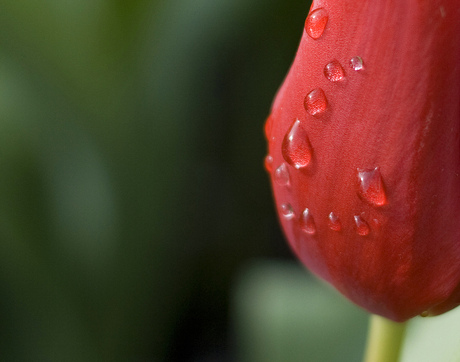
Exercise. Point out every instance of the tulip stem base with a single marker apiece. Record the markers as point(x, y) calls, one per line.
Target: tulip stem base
point(384, 340)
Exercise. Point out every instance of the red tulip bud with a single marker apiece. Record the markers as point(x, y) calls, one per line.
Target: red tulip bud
point(364, 152)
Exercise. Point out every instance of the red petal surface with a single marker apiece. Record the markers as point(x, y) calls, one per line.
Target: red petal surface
point(384, 153)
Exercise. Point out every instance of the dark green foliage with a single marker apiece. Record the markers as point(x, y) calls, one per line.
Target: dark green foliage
point(131, 179)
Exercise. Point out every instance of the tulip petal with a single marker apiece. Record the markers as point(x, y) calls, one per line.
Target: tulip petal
point(395, 108)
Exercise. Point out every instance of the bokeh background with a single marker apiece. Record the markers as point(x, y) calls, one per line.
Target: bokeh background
point(136, 219)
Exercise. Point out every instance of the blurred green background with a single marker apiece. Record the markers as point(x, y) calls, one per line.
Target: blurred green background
point(137, 223)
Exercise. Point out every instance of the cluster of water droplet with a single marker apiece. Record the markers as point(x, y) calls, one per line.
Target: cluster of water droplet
point(297, 151)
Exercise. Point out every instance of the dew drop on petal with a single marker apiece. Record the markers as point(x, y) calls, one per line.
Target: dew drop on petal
point(296, 148)
point(357, 63)
point(334, 71)
point(362, 228)
point(316, 22)
point(287, 211)
point(371, 186)
point(442, 10)
point(307, 223)
point(282, 175)
point(315, 102)
point(334, 222)
point(268, 127)
point(268, 163)
point(376, 224)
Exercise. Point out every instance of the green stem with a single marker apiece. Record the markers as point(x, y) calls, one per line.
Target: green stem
point(384, 340)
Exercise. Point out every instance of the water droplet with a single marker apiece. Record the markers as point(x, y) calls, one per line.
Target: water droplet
point(376, 224)
point(371, 187)
point(268, 163)
point(362, 228)
point(425, 314)
point(316, 22)
point(307, 223)
point(442, 10)
point(287, 211)
point(334, 222)
point(357, 63)
point(268, 127)
point(296, 148)
point(334, 71)
point(282, 175)
point(315, 102)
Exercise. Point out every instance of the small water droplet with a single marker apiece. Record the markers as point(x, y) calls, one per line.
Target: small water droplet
point(287, 211)
point(307, 223)
point(268, 127)
point(424, 314)
point(334, 71)
point(357, 63)
point(296, 148)
point(315, 102)
point(268, 163)
point(442, 10)
point(376, 224)
point(371, 186)
point(334, 222)
point(282, 175)
point(316, 22)
point(362, 228)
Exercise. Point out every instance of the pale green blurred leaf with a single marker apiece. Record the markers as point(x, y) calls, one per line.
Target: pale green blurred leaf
point(283, 314)
point(434, 339)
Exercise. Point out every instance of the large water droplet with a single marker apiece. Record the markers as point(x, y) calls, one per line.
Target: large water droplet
point(307, 223)
point(362, 227)
point(315, 102)
point(268, 127)
point(334, 222)
point(282, 175)
point(334, 71)
point(371, 187)
point(287, 211)
point(268, 163)
point(357, 63)
point(316, 22)
point(296, 148)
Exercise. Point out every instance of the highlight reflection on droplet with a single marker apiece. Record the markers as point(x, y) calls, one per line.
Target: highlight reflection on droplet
point(333, 71)
point(315, 102)
point(282, 175)
point(268, 163)
point(296, 148)
point(268, 127)
point(334, 222)
point(307, 223)
point(362, 227)
point(287, 211)
point(316, 23)
point(357, 63)
point(371, 188)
